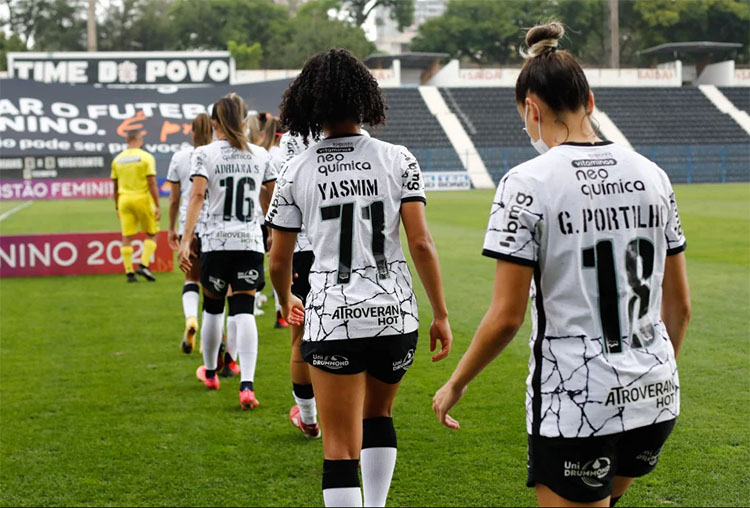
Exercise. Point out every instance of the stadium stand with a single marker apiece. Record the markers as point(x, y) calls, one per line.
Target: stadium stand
point(489, 117)
point(681, 130)
point(740, 97)
point(410, 123)
point(678, 128)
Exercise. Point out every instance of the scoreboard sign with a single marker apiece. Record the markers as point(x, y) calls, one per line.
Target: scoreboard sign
point(120, 68)
point(75, 254)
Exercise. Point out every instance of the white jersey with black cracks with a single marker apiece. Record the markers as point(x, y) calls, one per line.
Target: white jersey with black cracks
point(597, 223)
point(179, 172)
point(233, 192)
point(348, 192)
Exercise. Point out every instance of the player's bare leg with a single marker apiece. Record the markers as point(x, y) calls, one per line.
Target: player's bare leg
point(378, 457)
point(304, 414)
point(126, 250)
point(340, 400)
point(622, 484)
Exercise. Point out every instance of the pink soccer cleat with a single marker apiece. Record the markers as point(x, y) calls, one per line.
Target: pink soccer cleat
point(310, 431)
point(212, 383)
point(248, 400)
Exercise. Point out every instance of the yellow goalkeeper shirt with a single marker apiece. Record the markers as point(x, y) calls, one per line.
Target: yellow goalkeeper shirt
point(130, 168)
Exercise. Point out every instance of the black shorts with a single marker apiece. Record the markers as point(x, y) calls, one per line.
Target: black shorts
point(583, 469)
point(301, 264)
point(385, 358)
point(242, 269)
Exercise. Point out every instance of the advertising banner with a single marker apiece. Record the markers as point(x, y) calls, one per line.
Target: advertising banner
point(74, 254)
point(446, 180)
point(64, 188)
point(40, 120)
point(124, 68)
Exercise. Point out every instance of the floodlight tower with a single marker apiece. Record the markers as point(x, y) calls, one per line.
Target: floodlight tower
point(91, 26)
point(614, 31)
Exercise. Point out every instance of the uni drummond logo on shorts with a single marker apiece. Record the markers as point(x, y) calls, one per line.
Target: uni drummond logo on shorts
point(405, 362)
point(249, 276)
point(651, 457)
point(330, 362)
point(217, 283)
point(591, 473)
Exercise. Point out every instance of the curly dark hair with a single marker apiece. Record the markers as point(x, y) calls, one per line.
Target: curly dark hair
point(333, 86)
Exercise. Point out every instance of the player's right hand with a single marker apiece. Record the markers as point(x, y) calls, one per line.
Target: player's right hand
point(440, 330)
point(184, 255)
point(294, 311)
point(444, 400)
point(174, 240)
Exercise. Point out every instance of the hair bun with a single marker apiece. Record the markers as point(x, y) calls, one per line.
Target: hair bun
point(543, 39)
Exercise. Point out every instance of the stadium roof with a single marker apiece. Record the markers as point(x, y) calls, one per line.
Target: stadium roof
point(698, 47)
point(408, 60)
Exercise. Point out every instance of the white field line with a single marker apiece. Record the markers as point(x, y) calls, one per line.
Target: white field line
point(13, 210)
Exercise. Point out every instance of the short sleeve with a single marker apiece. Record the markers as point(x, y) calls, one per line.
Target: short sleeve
point(199, 164)
point(284, 214)
point(113, 174)
point(515, 225)
point(150, 165)
point(269, 169)
point(412, 184)
point(676, 242)
point(173, 173)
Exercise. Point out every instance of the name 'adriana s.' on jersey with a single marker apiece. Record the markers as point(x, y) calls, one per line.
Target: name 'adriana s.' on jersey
point(597, 223)
point(348, 193)
point(234, 179)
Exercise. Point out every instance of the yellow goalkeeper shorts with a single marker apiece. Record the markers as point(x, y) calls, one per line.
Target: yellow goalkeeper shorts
point(135, 210)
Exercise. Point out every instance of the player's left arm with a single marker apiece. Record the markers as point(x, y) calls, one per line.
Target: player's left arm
point(195, 203)
point(280, 267)
point(154, 190)
point(174, 208)
point(116, 195)
point(675, 300)
point(498, 327)
point(266, 193)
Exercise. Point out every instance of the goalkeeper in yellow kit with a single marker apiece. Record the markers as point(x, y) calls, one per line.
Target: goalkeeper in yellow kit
point(137, 203)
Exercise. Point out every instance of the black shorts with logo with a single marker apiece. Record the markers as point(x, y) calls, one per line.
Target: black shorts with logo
point(584, 469)
point(301, 264)
point(385, 358)
point(241, 269)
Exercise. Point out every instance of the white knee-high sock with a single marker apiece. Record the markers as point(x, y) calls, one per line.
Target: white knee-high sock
point(377, 459)
point(232, 336)
point(377, 471)
point(305, 399)
point(247, 345)
point(343, 496)
point(211, 338)
point(190, 299)
point(276, 301)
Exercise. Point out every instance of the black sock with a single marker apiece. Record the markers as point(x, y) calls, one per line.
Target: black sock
point(303, 391)
point(613, 500)
point(227, 359)
point(340, 474)
point(210, 374)
point(246, 385)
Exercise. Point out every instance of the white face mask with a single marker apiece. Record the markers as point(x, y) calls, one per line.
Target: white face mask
point(539, 145)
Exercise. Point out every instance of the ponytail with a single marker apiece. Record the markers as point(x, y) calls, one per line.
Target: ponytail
point(270, 128)
point(202, 130)
point(227, 115)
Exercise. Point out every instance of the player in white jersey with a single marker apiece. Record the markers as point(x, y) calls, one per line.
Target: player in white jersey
point(231, 241)
point(180, 184)
point(360, 321)
point(595, 226)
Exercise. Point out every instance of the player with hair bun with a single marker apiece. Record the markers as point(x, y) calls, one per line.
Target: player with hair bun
point(351, 192)
point(591, 229)
point(232, 242)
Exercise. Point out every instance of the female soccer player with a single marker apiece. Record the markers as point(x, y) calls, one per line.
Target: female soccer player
point(231, 241)
point(179, 178)
point(596, 227)
point(351, 192)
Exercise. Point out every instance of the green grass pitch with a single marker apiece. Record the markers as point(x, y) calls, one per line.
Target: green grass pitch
point(99, 407)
